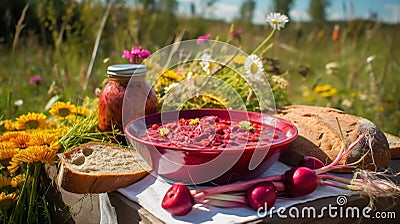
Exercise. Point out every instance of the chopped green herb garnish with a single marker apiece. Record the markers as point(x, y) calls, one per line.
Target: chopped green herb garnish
point(163, 131)
point(246, 125)
point(194, 121)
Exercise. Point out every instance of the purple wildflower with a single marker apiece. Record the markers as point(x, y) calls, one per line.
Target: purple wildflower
point(237, 33)
point(136, 55)
point(36, 79)
point(202, 39)
point(128, 55)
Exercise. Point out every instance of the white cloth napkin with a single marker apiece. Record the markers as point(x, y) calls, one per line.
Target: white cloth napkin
point(150, 191)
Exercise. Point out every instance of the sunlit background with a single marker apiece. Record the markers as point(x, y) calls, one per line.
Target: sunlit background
point(62, 48)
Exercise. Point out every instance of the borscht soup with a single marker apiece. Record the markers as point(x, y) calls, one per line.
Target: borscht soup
point(211, 132)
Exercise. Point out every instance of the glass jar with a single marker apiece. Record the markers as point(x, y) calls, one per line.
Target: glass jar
point(129, 81)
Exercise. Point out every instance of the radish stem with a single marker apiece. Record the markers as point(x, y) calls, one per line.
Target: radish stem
point(280, 187)
point(239, 186)
point(340, 156)
point(341, 186)
point(335, 178)
point(223, 203)
point(226, 197)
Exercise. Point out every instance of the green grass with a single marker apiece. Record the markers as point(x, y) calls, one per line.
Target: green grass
point(66, 65)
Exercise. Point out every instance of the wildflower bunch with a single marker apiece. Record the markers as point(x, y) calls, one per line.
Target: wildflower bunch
point(136, 55)
point(29, 142)
point(188, 80)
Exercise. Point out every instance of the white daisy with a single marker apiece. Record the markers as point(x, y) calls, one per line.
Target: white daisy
point(277, 20)
point(172, 86)
point(206, 64)
point(254, 67)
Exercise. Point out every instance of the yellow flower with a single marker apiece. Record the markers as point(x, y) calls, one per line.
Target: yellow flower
point(32, 154)
point(166, 79)
point(7, 200)
point(320, 89)
point(8, 153)
point(59, 132)
point(8, 125)
point(15, 181)
point(42, 139)
point(81, 111)
point(4, 181)
point(56, 132)
point(325, 91)
point(73, 119)
point(211, 100)
point(6, 145)
point(8, 135)
point(20, 141)
point(170, 74)
point(329, 93)
point(31, 121)
point(55, 146)
point(62, 110)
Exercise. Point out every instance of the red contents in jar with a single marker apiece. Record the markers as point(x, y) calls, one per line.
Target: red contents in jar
point(211, 132)
point(111, 101)
point(110, 106)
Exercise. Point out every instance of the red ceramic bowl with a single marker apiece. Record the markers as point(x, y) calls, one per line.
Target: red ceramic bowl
point(219, 166)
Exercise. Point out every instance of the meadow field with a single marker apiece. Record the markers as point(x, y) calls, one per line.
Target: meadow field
point(357, 71)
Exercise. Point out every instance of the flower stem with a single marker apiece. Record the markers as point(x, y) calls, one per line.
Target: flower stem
point(264, 42)
point(32, 198)
point(21, 198)
point(46, 209)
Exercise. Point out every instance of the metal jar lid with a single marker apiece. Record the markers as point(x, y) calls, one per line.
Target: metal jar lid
point(127, 70)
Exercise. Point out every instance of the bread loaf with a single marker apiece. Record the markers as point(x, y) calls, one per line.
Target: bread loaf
point(394, 145)
point(94, 168)
point(319, 136)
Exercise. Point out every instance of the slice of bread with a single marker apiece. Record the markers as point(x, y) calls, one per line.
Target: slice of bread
point(94, 168)
point(394, 145)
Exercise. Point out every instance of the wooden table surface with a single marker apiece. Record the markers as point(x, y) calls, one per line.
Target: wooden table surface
point(131, 212)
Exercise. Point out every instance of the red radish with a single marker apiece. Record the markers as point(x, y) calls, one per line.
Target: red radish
point(178, 200)
point(311, 162)
point(261, 195)
point(300, 181)
point(262, 192)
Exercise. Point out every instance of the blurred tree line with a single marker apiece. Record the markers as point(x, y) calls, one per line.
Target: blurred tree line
point(154, 21)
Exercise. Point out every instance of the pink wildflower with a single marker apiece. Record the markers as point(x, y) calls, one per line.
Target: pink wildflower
point(202, 39)
point(237, 33)
point(136, 55)
point(36, 79)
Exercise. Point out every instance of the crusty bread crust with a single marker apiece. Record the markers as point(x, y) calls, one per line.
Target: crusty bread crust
point(94, 168)
point(319, 136)
point(394, 145)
